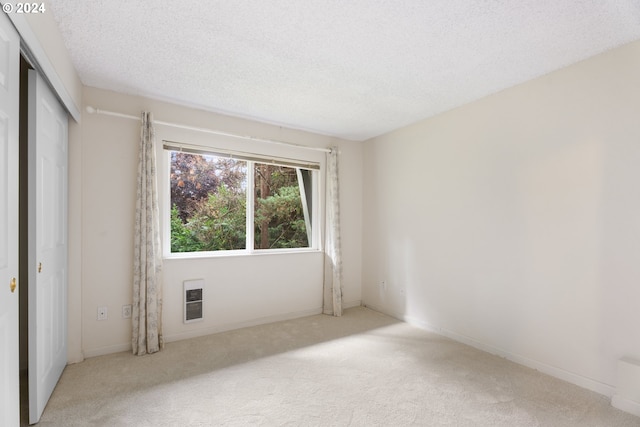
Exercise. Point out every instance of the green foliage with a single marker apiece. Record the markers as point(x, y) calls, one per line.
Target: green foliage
point(282, 212)
point(193, 177)
point(217, 223)
point(182, 238)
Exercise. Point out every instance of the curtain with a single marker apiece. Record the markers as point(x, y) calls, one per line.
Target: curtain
point(333, 257)
point(147, 262)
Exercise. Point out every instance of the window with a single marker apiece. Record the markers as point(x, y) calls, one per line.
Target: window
point(208, 202)
point(225, 202)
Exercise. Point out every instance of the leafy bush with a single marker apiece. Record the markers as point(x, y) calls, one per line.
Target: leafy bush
point(283, 214)
point(216, 223)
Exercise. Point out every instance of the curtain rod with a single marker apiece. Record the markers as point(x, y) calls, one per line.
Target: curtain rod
point(93, 110)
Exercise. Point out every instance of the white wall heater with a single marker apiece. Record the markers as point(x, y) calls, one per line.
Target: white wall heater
point(193, 302)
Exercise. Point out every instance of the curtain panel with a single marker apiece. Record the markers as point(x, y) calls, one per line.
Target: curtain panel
point(333, 257)
point(147, 263)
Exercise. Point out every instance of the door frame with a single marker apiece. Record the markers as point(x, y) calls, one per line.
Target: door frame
point(34, 51)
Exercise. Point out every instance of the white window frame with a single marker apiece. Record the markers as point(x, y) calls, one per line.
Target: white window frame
point(317, 197)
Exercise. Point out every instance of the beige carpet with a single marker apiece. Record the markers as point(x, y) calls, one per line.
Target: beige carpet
point(364, 369)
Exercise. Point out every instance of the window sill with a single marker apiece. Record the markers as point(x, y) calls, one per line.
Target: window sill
point(237, 253)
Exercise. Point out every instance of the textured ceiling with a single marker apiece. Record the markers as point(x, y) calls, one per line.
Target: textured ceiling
point(348, 68)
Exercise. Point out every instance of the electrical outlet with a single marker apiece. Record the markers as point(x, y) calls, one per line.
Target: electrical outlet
point(126, 311)
point(102, 313)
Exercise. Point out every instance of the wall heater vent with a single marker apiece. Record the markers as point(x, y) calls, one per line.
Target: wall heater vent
point(193, 293)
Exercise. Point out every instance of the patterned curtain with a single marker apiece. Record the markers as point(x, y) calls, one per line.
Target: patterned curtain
point(147, 262)
point(333, 257)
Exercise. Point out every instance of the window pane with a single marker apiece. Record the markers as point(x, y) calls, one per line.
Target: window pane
point(280, 219)
point(208, 200)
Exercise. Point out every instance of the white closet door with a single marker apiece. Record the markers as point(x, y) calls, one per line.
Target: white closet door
point(47, 243)
point(9, 146)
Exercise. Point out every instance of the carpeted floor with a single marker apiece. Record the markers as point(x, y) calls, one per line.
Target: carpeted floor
point(363, 369)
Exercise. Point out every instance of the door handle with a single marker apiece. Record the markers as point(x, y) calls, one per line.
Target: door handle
point(39, 267)
point(12, 285)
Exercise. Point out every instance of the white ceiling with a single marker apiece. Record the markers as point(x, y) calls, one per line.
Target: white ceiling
point(348, 68)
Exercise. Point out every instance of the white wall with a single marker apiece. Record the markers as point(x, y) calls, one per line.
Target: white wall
point(240, 290)
point(513, 223)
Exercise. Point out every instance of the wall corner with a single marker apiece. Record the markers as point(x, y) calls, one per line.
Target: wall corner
point(627, 395)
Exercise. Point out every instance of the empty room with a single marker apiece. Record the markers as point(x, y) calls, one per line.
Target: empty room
point(320, 213)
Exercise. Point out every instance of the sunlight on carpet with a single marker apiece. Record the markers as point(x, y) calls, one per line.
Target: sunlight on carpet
point(363, 369)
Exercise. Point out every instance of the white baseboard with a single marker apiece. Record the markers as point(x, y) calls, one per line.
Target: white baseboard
point(573, 378)
point(75, 358)
point(102, 351)
point(351, 304)
point(238, 325)
point(626, 405)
